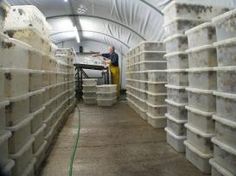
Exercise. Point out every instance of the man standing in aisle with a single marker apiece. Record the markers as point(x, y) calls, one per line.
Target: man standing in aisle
point(112, 59)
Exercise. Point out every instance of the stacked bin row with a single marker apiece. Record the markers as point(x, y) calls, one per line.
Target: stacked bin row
point(89, 91)
point(146, 77)
point(179, 17)
point(201, 101)
point(224, 155)
point(106, 95)
point(36, 96)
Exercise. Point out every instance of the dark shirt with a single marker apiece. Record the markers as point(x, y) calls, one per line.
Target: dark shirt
point(113, 57)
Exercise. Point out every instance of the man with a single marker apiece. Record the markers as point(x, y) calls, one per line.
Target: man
point(112, 59)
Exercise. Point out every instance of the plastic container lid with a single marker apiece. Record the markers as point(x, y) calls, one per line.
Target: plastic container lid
point(107, 86)
point(19, 98)
point(152, 52)
point(22, 124)
point(223, 17)
point(200, 48)
point(202, 69)
point(4, 137)
point(200, 91)
point(156, 71)
point(225, 69)
point(137, 97)
point(176, 71)
point(225, 43)
point(155, 106)
point(4, 103)
point(199, 27)
point(174, 37)
point(140, 90)
point(219, 168)
point(225, 95)
point(41, 149)
point(198, 132)
point(156, 94)
point(150, 82)
point(175, 120)
point(182, 105)
point(175, 19)
point(175, 87)
point(175, 54)
point(147, 62)
point(199, 112)
point(170, 132)
point(155, 117)
point(223, 146)
point(224, 121)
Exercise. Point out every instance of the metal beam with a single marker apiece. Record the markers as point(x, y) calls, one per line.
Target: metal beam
point(152, 6)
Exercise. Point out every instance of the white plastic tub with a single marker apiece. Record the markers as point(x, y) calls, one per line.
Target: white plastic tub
point(36, 100)
point(89, 94)
point(224, 155)
point(197, 158)
point(176, 43)
point(176, 125)
point(177, 94)
point(90, 82)
point(156, 99)
point(4, 147)
point(225, 106)
point(203, 100)
point(203, 56)
point(178, 77)
point(218, 170)
point(225, 131)
point(156, 121)
point(179, 25)
point(151, 46)
point(157, 76)
point(176, 110)
point(37, 121)
point(21, 133)
point(177, 60)
point(107, 88)
point(35, 80)
point(199, 139)
point(202, 78)
point(191, 11)
point(106, 95)
point(17, 110)
point(106, 102)
point(226, 79)
point(152, 56)
point(204, 34)
point(152, 65)
point(201, 120)
point(39, 138)
point(3, 104)
point(156, 110)
point(156, 87)
point(226, 51)
point(23, 158)
point(16, 82)
point(177, 142)
point(225, 25)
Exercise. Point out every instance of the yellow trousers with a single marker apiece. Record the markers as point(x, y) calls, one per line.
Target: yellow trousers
point(115, 76)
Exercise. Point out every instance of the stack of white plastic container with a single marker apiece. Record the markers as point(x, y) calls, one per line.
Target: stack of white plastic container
point(89, 91)
point(106, 95)
point(145, 78)
point(201, 101)
point(36, 90)
point(224, 159)
point(179, 17)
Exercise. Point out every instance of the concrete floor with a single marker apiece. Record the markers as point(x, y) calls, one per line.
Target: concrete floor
point(115, 142)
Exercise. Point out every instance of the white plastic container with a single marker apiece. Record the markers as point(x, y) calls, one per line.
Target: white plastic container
point(177, 142)
point(39, 138)
point(225, 106)
point(17, 110)
point(176, 43)
point(199, 139)
point(36, 100)
point(176, 125)
point(106, 95)
point(226, 79)
point(202, 78)
point(21, 133)
point(203, 100)
point(157, 76)
point(151, 46)
point(178, 77)
point(4, 147)
point(176, 110)
point(142, 85)
point(156, 87)
point(89, 94)
point(35, 80)
point(139, 110)
point(225, 131)
point(156, 98)
point(106, 102)
point(16, 82)
point(177, 60)
point(3, 104)
point(224, 155)
point(156, 110)
point(89, 82)
point(152, 65)
point(37, 121)
point(152, 56)
point(107, 88)
point(201, 120)
point(218, 170)
point(23, 158)
point(177, 94)
point(226, 50)
point(179, 25)
point(203, 56)
point(204, 34)
point(191, 11)
point(197, 158)
point(225, 25)
point(156, 121)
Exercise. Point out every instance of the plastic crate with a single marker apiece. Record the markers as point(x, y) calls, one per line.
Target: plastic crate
point(176, 110)
point(152, 56)
point(176, 43)
point(156, 121)
point(176, 125)
point(178, 77)
point(151, 46)
point(177, 60)
point(177, 94)
point(156, 98)
point(156, 110)
point(157, 76)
